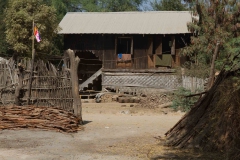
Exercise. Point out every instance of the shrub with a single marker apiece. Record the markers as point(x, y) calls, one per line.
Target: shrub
point(181, 102)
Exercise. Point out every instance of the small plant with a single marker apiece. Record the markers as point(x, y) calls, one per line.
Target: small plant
point(181, 101)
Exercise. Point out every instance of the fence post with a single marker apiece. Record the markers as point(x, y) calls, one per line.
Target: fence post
point(20, 85)
point(74, 62)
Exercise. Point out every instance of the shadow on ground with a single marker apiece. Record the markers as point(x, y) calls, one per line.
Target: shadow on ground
point(161, 152)
point(86, 122)
point(171, 156)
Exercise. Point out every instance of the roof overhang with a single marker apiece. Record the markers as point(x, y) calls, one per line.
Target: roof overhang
point(154, 22)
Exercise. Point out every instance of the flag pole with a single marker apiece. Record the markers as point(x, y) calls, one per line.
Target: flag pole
point(31, 72)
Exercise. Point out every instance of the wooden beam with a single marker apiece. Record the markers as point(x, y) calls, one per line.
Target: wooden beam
point(131, 45)
point(141, 70)
point(132, 61)
point(173, 45)
point(116, 54)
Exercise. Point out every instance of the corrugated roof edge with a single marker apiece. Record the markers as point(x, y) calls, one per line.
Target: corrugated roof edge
point(127, 12)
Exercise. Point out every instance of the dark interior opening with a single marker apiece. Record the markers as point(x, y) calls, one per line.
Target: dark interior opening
point(89, 64)
point(124, 46)
point(166, 45)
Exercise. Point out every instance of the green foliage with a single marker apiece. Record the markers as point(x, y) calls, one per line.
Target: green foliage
point(63, 6)
point(214, 22)
point(110, 5)
point(168, 5)
point(193, 70)
point(232, 51)
point(3, 43)
point(16, 34)
point(181, 102)
point(19, 17)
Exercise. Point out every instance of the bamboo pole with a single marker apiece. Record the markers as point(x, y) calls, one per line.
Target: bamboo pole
point(31, 72)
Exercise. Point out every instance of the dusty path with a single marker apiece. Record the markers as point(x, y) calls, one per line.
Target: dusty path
point(111, 132)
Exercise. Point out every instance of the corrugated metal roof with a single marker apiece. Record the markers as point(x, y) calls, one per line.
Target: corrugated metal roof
point(161, 22)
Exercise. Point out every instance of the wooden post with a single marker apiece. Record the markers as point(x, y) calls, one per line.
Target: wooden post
point(31, 72)
point(20, 85)
point(74, 62)
point(132, 53)
point(115, 54)
point(131, 45)
point(103, 56)
point(173, 45)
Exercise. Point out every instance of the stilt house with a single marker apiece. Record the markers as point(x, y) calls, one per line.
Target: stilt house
point(127, 51)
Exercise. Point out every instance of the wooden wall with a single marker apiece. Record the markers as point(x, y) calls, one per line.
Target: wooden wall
point(109, 55)
point(144, 48)
point(84, 42)
point(140, 45)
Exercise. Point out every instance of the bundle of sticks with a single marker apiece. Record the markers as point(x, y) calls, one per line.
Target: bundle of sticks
point(47, 118)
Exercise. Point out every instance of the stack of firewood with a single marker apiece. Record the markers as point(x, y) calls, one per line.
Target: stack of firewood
point(47, 118)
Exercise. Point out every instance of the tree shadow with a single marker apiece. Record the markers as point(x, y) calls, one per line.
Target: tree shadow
point(172, 156)
point(170, 153)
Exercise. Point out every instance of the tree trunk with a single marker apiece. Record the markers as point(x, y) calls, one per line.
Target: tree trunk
point(74, 62)
point(212, 69)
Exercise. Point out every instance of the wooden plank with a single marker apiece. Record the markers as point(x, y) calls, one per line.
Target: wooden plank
point(124, 64)
point(177, 60)
point(126, 74)
point(151, 61)
point(158, 45)
point(156, 70)
point(150, 45)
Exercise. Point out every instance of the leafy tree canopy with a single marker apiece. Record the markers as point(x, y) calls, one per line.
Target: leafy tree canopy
point(63, 6)
point(3, 43)
point(214, 23)
point(168, 5)
point(216, 34)
point(110, 5)
point(19, 20)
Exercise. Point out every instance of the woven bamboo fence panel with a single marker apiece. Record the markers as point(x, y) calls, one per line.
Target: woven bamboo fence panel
point(149, 83)
point(193, 83)
point(50, 87)
point(141, 83)
point(8, 79)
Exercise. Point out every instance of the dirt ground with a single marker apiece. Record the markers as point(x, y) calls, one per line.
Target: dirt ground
point(112, 131)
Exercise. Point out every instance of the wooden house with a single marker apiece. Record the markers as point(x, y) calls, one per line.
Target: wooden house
point(130, 50)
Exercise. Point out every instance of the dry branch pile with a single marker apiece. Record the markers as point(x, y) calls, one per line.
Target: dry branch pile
point(46, 118)
point(213, 124)
point(154, 100)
